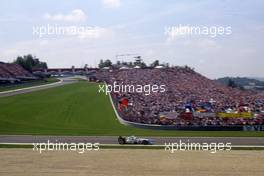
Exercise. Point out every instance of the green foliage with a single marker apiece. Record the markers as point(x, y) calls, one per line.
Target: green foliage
point(28, 62)
point(155, 63)
point(240, 81)
point(231, 83)
point(106, 63)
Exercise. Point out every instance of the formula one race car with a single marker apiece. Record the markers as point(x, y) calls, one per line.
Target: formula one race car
point(134, 140)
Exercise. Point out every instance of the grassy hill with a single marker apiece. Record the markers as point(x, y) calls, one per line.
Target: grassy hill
point(75, 109)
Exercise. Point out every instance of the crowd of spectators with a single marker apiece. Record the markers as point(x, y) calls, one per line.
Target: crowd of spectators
point(12, 72)
point(186, 92)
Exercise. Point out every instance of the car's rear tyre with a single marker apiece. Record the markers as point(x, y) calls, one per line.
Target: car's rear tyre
point(121, 140)
point(145, 142)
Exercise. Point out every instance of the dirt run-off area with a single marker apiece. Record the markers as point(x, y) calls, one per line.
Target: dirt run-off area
point(130, 162)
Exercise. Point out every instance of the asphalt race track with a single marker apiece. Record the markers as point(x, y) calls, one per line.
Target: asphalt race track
point(63, 81)
point(247, 141)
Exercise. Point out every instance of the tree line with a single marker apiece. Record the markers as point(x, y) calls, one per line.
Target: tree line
point(138, 62)
point(29, 62)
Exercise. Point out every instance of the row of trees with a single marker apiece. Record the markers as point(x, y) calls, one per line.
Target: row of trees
point(138, 62)
point(29, 62)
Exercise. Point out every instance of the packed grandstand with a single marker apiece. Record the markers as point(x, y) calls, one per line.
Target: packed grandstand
point(10, 72)
point(190, 99)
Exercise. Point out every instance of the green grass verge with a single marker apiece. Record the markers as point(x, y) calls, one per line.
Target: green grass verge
point(76, 109)
point(28, 84)
point(15, 146)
